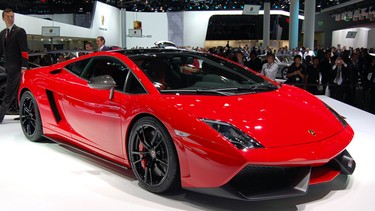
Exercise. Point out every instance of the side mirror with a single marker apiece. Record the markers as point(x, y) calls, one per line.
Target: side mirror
point(103, 82)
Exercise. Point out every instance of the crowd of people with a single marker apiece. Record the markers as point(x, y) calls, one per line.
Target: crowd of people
point(345, 74)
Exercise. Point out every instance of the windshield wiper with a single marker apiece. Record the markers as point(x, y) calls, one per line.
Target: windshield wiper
point(223, 91)
point(196, 91)
point(263, 87)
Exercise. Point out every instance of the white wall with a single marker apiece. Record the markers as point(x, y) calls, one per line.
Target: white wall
point(154, 28)
point(196, 23)
point(106, 22)
point(62, 18)
point(109, 28)
point(371, 41)
point(33, 26)
point(360, 40)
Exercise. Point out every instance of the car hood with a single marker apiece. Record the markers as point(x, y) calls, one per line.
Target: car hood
point(287, 116)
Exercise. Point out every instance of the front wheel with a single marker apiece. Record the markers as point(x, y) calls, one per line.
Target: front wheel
point(30, 118)
point(153, 156)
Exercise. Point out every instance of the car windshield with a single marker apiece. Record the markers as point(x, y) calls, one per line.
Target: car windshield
point(286, 58)
point(198, 73)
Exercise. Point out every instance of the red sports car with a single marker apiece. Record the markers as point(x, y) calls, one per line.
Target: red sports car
point(186, 119)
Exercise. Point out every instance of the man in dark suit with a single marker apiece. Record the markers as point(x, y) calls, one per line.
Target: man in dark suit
point(339, 80)
point(100, 42)
point(13, 47)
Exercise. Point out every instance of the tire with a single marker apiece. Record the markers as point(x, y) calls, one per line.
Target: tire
point(153, 156)
point(2, 91)
point(31, 123)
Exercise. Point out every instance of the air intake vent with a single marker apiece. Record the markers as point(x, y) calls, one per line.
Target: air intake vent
point(54, 72)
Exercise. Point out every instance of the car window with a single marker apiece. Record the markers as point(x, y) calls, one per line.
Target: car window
point(107, 66)
point(192, 72)
point(133, 86)
point(286, 58)
point(78, 67)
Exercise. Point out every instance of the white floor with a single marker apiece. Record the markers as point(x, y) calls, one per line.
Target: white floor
point(47, 176)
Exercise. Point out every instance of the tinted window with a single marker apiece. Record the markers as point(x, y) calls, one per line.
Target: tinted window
point(78, 67)
point(107, 66)
point(191, 72)
point(133, 86)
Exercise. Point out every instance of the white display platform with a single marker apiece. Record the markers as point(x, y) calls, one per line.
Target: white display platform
point(47, 176)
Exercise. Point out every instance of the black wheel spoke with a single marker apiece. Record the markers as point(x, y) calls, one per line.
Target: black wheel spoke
point(154, 137)
point(147, 172)
point(32, 122)
point(140, 153)
point(158, 143)
point(141, 137)
point(137, 161)
point(160, 170)
point(161, 162)
point(28, 129)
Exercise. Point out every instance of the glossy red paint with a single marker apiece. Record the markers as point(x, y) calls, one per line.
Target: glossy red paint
point(279, 120)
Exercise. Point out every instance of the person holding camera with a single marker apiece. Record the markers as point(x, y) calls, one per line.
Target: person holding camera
point(339, 80)
point(296, 72)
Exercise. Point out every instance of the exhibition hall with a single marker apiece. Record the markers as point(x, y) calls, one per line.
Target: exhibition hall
point(187, 105)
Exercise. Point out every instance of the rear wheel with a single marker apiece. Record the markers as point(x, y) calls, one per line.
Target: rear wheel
point(153, 156)
point(30, 118)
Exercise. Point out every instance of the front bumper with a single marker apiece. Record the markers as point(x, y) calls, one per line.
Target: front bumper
point(256, 183)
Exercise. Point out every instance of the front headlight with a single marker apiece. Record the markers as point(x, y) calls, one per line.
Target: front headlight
point(238, 138)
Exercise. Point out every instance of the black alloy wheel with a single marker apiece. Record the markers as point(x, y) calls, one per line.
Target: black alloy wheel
point(153, 156)
point(30, 118)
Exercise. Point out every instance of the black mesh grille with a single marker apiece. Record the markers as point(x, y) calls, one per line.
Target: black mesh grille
point(261, 180)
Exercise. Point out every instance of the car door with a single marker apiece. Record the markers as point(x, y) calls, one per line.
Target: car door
point(95, 119)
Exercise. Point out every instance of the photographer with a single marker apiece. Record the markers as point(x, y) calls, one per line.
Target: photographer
point(339, 80)
point(296, 72)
